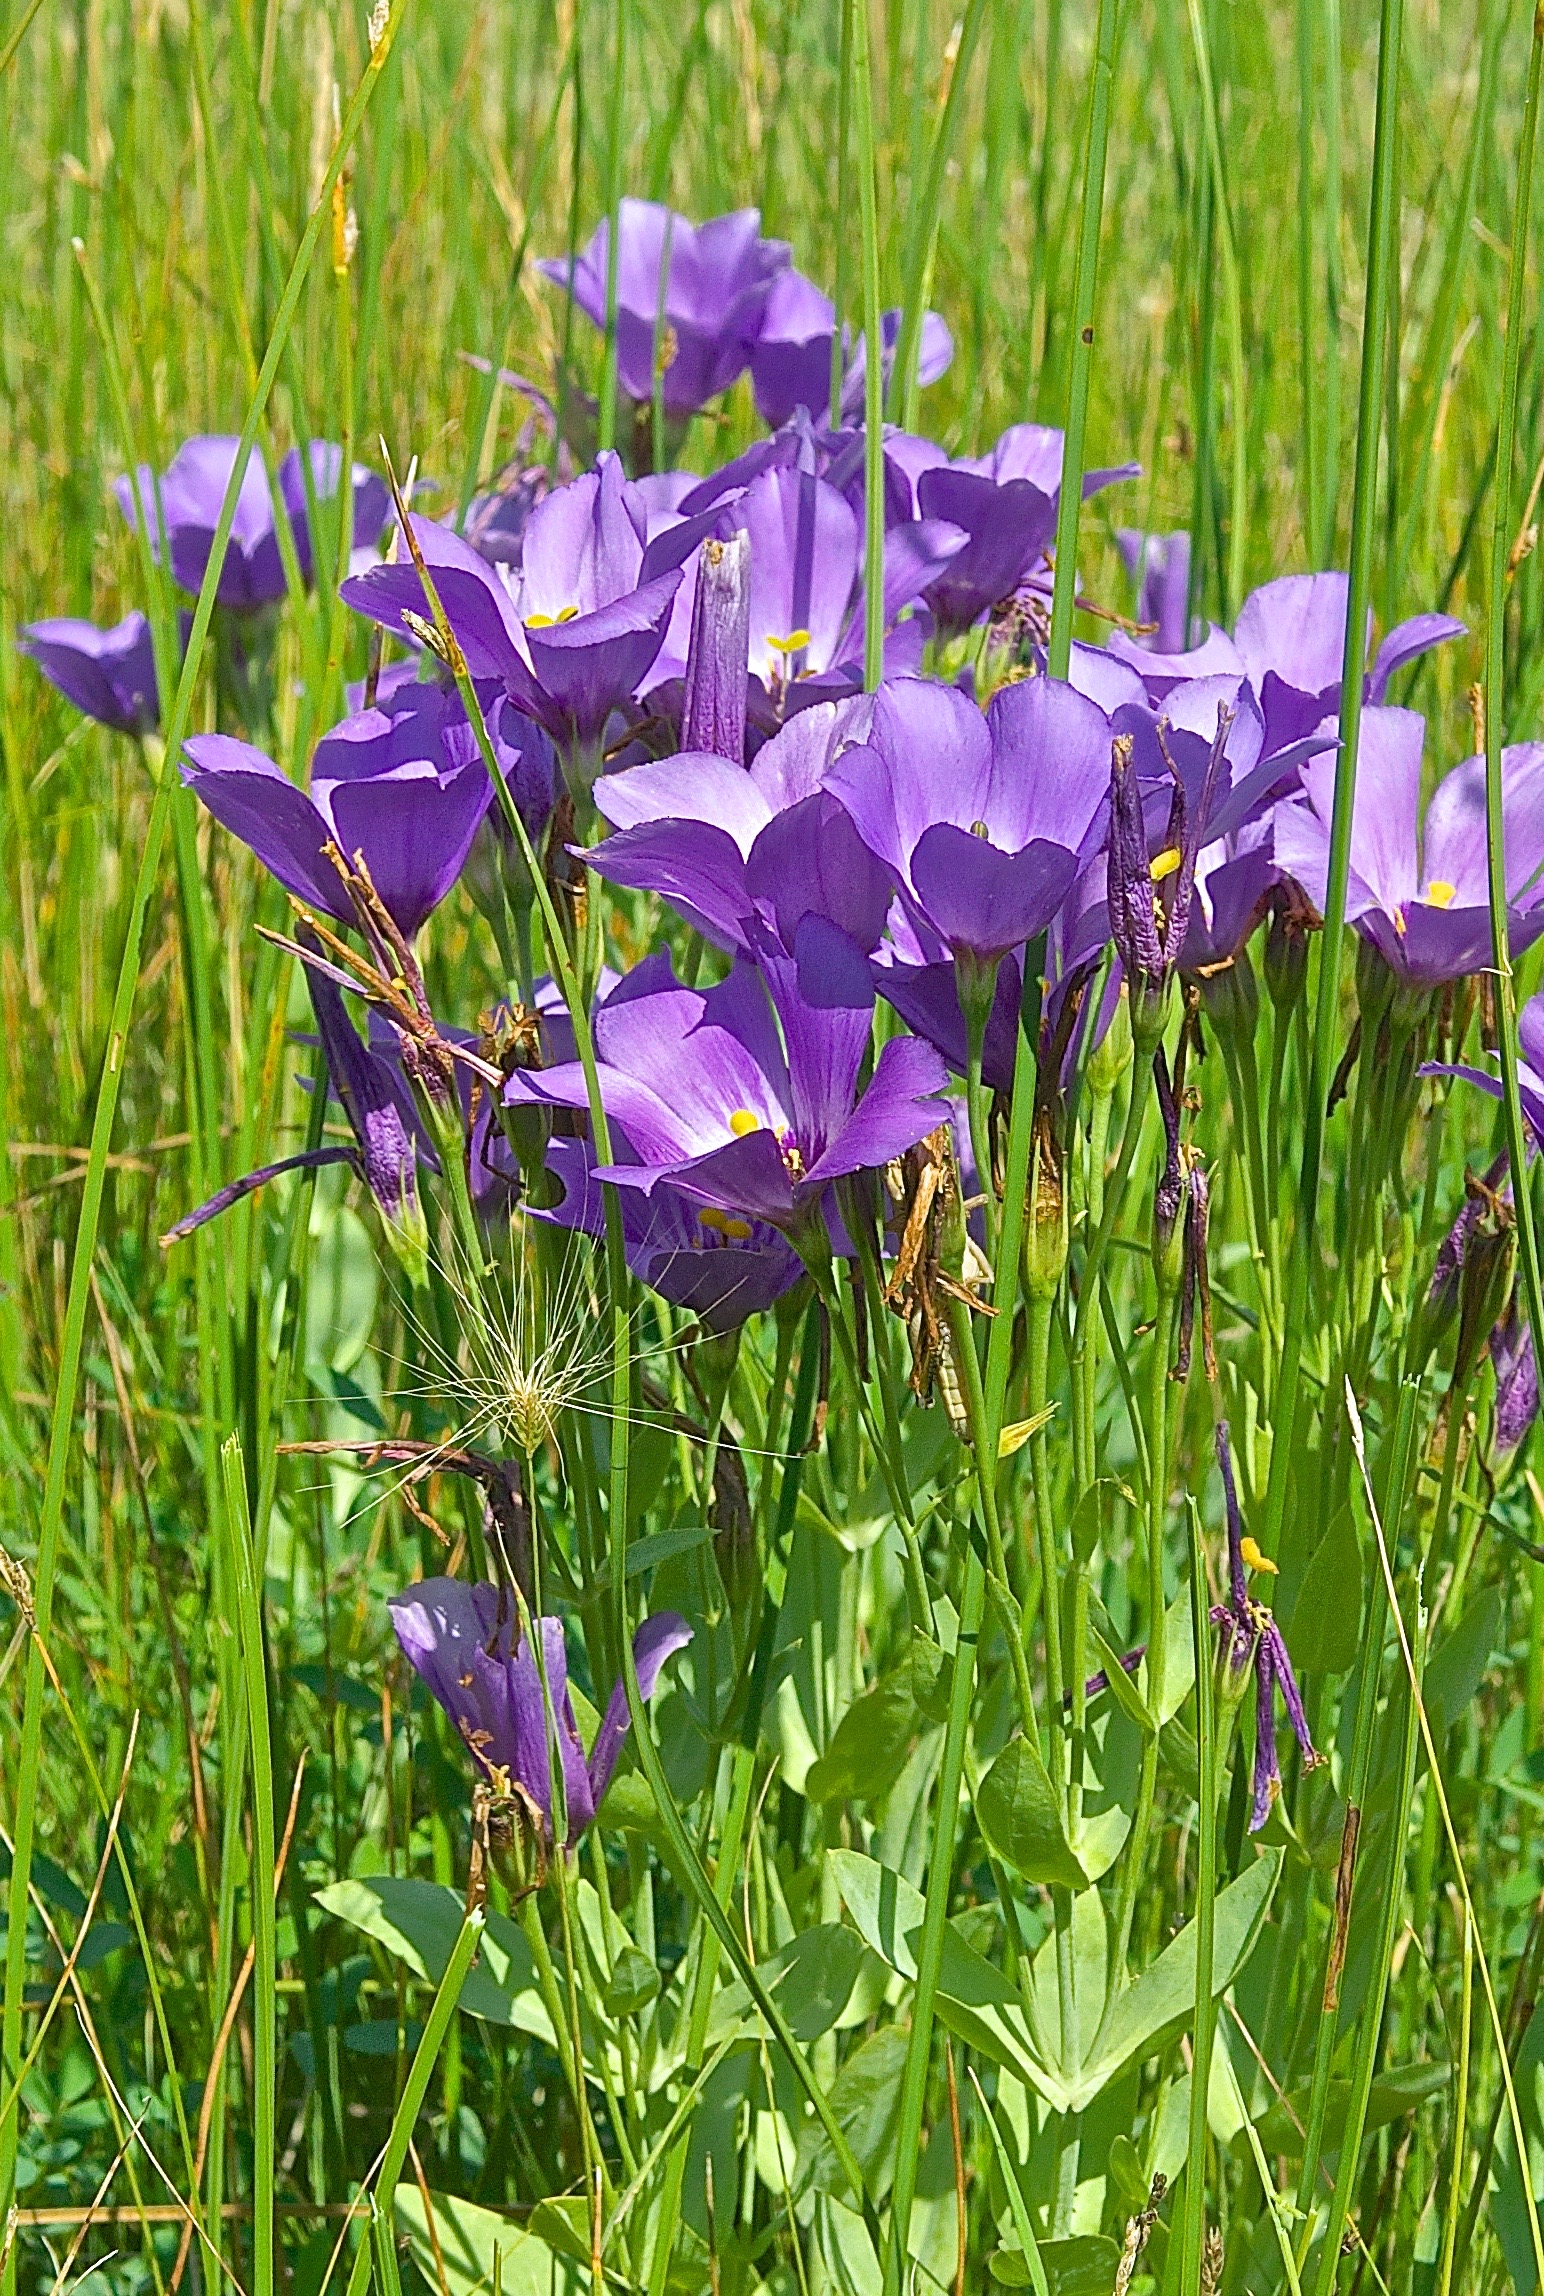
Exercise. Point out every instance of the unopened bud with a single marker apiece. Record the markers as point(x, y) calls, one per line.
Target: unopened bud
point(1231, 996)
point(1112, 1055)
point(1045, 1224)
point(1286, 953)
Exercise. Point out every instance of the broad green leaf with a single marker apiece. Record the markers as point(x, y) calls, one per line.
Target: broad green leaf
point(1326, 1625)
point(868, 1747)
point(1455, 1668)
point(866, 2102)
point(1100, 1839)
point(634, 1982)
point(476, 2250)
point(975, 2001)
point(1123, 1687)
point(1016, 1805)
point(1083, 2264)
point(1402, 2089)
point(419, 1921)
point(812, 1979)
point(1090, 1954)
point(1159, 2002)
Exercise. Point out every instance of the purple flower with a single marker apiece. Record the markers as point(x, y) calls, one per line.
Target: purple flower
point(574, 634)
point(192, 490)
point(1249, 1634)
point(109, 674)
point(1289, 641)
point(1421, 895)
point(791, 356)
point(405, 786)
point(1006, 502)
point(806, 609)
point(722, 1270)
point(1530, 1079)
point(387, 1135)
point(464, 1643)
point(736, 851)
point(1517, 1378)
point(745, 1097)
point(689, 295)
point(1162, 563)
point(1235, 877)
point(1150, 894)
point(982, 819)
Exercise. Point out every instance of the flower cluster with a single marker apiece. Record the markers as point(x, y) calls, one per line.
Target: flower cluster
point(870, 889)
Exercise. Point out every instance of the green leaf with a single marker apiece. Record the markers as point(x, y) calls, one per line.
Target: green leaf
point(868, 1748)
point(419, 1922)
point(1028, 2251)
point(634, 1982)
point(1157, 2005)
point(1402, 2089)
point(1016, 1805)
point(1123, 1688)
point(1179, 1662)
point(470, 2240)
point(975, 2001)
point(1454, 1670)
point(866, 2103)
point(1326, 1623)
point(812, 1979)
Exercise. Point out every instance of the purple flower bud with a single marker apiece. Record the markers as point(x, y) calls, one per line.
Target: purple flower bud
point(718, 655)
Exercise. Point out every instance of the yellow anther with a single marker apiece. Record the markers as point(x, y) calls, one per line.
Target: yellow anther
point(1254, 1560)
point(546, 621)
point(1400, 927)
point(725, 1224)
point(1166, 864)
point(794, 643)
point(1439, 893)
point(744, 1121)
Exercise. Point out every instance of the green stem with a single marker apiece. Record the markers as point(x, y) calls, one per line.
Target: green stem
point(1238, 524)
point(1381, 255)
point(260, 1892)
point(616, 122)
point(1084, 296)
point(78, 1298)
point(873, 369)
point(1205, 1920)
point(1495, 646)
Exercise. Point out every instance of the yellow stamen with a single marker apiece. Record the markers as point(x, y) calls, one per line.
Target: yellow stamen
point(1165, 864)
point(794, 643)
point(1439, 893)
point(1254, 1560)
point(725, 1224)
point(742, 1122)
point(546, 621)
point(1400, 927)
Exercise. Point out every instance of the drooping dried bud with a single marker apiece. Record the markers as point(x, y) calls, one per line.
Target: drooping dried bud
point(718, 652)
point(1045, 1224)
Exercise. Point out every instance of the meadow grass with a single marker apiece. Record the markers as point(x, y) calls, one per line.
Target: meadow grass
point(238, 2054)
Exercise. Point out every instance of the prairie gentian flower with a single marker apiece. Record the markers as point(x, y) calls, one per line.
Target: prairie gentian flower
point(1161, 562)
point(1006, 502)
point(745, 1098)
point(1251, 1637)
point(405, 786)
point(1150, 895)
point(690, 298)
point(1517, 1377)
point(1419, 893)
point(1530, 1074)
point(729, 847)
point(721, 1271)
point(574, 634)
point(1289, 642)
point(1235, 878)
point(791, 356)
point(192, 489)
point(385, 1151)
point(982, 819)
point(108, 674)
point(806, 593)
point(464, 1643)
